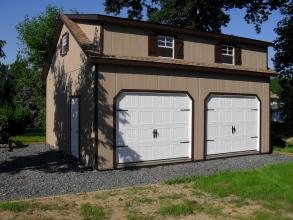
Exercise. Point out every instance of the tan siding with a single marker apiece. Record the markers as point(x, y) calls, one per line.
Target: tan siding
point(92, 31)
point(128, 41)
point(198, 50)
point(254, 57)
point(70, 75)
point(114, 78)
point(123, 40)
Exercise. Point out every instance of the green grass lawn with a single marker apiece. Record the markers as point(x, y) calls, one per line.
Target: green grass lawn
point(263, 193)
point(271, 186)
point(25, 139)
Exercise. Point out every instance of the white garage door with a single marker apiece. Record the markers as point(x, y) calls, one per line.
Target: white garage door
point(153, 126)
point(232, 124)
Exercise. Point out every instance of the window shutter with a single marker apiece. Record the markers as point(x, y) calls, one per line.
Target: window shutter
point(238, 60)
point(179, 48)
point(218, 53)
point(61, 47)
point(67, 45)
point(152, 45)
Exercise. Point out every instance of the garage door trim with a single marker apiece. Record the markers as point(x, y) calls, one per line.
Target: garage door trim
point(150, 91)
point(231, 94)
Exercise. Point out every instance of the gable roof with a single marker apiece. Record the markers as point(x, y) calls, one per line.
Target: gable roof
point(96, 56)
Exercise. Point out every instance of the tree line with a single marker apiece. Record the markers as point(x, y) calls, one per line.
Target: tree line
point(22, 90)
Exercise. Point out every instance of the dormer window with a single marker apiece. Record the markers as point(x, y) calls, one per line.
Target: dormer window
point(227, 54)
point(64, 44)
point(165, 46)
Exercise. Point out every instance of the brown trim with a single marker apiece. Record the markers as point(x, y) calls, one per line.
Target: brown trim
point(270, 122)
point(150, 91)
point(164, 28)
point(158, 64)
point(102, 36)
point(79, 98)
point(231, 94)
point(96, 125)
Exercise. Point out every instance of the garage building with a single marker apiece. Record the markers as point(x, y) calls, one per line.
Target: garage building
point(123, 93)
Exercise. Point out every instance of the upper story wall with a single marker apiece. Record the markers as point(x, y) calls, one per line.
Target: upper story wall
point(132, 41)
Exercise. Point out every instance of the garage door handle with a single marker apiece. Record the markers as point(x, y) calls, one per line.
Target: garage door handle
point(233, 129)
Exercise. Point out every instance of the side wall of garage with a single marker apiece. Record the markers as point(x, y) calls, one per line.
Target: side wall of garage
point(68, 76)
point(112, 79)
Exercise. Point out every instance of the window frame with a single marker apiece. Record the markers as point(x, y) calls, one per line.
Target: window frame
point(165, 46)
point(64, 48)
point(227, 54)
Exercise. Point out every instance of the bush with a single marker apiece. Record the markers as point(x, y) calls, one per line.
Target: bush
point(6, 114)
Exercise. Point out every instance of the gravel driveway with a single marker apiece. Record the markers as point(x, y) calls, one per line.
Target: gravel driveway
point(37, 171)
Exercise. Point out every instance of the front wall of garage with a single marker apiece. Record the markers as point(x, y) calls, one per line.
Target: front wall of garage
point(113, 79)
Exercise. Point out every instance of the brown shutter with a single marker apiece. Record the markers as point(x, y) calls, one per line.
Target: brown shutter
point(218, 53)
point(179, 48)
point(67, 45)
point(152, 45)
point(61, 46)
point(238, 60)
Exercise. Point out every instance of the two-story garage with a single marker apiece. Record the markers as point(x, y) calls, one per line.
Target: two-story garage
point(130, 93)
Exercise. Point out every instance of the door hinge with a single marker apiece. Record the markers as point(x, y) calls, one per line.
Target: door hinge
point(254, 137)
point(185, 109)
point(184, 142)
point(121, 110)
point(210, 109)
point(210, 140)
point(254, 109)
point(118, 146)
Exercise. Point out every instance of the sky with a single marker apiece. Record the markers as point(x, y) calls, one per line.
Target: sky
point(13, 12)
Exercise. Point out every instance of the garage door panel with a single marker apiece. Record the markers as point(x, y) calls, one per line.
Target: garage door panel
point(181, 149)
point(231, 124)
point(146, 117)
point(168, 114)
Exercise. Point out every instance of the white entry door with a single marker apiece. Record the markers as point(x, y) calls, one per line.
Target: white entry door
point(232, 124)
point(153, 126)
point(75, 127)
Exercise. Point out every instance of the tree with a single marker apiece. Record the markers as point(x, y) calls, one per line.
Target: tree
point(283, 59)
point(2, 43)
point(36, 35)
point(200, 14)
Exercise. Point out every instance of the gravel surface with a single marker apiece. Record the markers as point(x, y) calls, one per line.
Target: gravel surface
point(37, 171)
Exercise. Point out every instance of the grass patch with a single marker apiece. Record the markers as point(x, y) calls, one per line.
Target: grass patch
point(143, 199)
point(174, 196)
point(135, 215)
point(180, 180)
point(271, 185)
point(186, 208)
point(288, 149)
point(28, 139)
point(18, 206)
point(90, 212)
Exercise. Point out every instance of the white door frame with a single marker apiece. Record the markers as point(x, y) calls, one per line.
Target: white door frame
point(158, 92)
point(75, 152)
point(232, 95)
